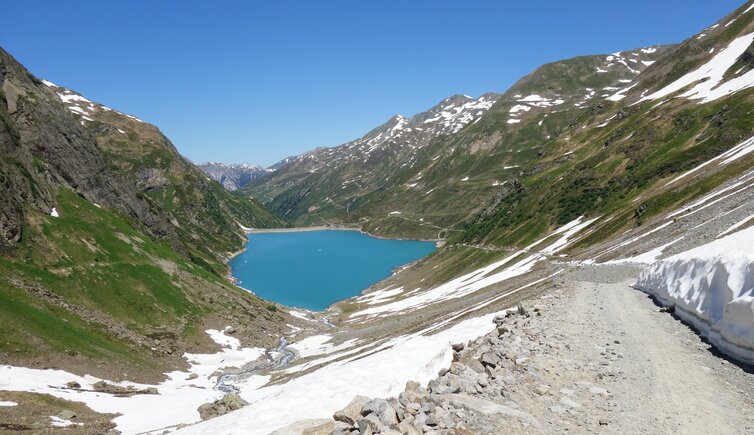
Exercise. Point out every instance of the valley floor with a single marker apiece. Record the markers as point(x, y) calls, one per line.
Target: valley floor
point(592, 355)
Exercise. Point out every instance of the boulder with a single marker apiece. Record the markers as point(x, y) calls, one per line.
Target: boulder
point(489, 359)
point(381, 409)
point(407, 397)
point(407, 428)
point(412, 386)
point(352, 411)
point(413, 408)
point(344, 429)
point(221, 406)
point(66, 414)
point(481, 406)
point(469, 361)
point(370, 424)
point(311, 427)
point(420, 420)
point(457, 347)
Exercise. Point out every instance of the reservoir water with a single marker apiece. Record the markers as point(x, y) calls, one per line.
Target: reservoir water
point(314, 269)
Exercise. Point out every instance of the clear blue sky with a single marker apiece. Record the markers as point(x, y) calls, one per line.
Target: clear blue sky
point(258, 81)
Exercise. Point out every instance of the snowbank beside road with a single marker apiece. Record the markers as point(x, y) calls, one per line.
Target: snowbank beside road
point(711, 287)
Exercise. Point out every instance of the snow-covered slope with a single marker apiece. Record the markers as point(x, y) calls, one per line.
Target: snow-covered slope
point(711, 287)
point(709, 79)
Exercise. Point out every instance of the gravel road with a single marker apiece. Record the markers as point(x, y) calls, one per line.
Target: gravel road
point(591, 355)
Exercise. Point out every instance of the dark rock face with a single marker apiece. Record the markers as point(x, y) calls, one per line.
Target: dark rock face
point(43, 148)
point(111, 159)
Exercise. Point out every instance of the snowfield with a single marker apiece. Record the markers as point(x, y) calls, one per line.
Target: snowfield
point(708, 78)
point(712, 288)
point(382, 372)
point(178, 399)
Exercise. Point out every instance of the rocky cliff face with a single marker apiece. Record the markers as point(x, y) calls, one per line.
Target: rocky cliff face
point(44, 148)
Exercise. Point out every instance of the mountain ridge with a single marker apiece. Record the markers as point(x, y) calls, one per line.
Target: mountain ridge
point(300, 192)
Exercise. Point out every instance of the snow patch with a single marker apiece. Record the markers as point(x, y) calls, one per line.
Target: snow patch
point(709, 76)
point(60, 422)
point(301, 315)
point(621, 94)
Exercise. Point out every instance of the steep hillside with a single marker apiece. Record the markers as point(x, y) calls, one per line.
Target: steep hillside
point(625, 159)
point(204, 218)
point(233, 176)
point(113, 245)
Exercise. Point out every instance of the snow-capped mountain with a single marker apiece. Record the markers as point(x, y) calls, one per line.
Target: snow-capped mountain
point(233, 176)
point(400, 133)
point(360, 166)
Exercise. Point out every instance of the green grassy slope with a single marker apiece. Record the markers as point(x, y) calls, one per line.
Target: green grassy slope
point(88, 288)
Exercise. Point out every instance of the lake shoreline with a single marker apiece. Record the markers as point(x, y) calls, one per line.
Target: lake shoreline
point(438, 242)
point(238, 274)
point(229, 256)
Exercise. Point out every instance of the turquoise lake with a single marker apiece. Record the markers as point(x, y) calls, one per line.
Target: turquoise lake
point(314, 269)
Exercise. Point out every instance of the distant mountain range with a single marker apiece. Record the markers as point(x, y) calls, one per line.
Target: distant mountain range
point(233, 176)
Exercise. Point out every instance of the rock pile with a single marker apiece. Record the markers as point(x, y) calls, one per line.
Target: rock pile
point(466, 398)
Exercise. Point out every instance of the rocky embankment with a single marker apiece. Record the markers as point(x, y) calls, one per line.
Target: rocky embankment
point(470, 396)
point(592, 355)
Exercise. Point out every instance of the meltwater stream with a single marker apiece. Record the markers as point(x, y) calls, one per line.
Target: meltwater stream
point(314, 269)
point(276, 359)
